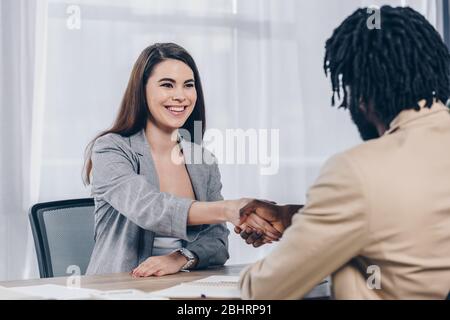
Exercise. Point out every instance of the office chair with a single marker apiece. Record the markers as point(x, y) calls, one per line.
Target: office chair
point(63, 233)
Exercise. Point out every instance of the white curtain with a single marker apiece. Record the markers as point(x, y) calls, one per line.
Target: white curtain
point(22, 69)
point(65, 64)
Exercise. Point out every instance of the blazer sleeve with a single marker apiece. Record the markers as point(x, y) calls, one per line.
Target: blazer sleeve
point(211, 246)
point(329, 231)
point(115, 180)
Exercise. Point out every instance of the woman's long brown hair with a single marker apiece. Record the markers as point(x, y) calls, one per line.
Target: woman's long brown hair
point(134, 112)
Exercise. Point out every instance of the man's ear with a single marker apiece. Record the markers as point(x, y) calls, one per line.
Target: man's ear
point(373, 116)
point(364, 107)
point(368, 110)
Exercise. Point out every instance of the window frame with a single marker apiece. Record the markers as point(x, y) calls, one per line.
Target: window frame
point(446, 21)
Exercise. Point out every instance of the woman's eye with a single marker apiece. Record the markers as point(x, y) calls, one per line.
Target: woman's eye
point(189, 85)
point(167, 85)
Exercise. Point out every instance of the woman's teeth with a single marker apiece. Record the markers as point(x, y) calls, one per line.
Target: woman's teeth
point(176, 110)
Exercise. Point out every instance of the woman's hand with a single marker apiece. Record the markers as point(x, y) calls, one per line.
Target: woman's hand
point(280, 217)
point(160, 265)
point(250, 222)
point(232, 208)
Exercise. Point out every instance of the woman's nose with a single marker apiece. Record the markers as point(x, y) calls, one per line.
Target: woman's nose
point(179, 96)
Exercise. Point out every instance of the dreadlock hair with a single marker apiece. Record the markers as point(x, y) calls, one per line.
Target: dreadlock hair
point(392, 68)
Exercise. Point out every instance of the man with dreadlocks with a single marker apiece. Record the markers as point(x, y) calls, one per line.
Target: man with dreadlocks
point(378, 217)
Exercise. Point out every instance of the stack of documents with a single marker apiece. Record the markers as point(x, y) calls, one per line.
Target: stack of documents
point(225, 287)
point(212, 287)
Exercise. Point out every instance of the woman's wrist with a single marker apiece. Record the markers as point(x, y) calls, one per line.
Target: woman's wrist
point(226, 211)
point(180, 260)
point(230, 211)
point(210, 212)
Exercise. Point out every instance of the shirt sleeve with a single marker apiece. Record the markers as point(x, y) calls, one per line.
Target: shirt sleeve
point(115, 180)
point(211, 246)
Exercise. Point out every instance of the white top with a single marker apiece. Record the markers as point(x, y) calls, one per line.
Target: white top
point(163, 245)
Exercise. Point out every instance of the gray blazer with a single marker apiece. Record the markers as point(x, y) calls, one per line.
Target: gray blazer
point(130, 209)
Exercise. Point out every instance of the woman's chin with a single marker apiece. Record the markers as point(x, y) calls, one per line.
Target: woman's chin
point(173, 125)
point(178, 124)
point(169, 122)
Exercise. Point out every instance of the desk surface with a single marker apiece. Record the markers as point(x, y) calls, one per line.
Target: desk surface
point(121, 281)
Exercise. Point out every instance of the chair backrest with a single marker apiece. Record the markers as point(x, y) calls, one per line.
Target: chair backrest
point(63, 233)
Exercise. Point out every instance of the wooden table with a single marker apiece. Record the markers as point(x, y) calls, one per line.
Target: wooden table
point(122, 281)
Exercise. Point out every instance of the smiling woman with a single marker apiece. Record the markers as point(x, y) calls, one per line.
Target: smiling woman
point(171, 94)
point(156, 214)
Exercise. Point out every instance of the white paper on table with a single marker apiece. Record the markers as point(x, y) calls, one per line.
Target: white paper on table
point(9, 294)
point(210, 287)
point(130, 294)
point(225, 287)
point(51, 291)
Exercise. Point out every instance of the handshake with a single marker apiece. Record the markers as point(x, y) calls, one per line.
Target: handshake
point(260, 222)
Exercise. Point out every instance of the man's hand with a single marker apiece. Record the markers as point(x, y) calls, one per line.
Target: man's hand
point(252, 237)
point(256, 223)
point(280, 217)
point(160, 265)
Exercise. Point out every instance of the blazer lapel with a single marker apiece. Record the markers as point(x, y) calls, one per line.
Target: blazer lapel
point(195, 169)
point(140, 145)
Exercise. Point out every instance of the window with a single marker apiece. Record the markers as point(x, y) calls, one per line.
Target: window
point(446, 21)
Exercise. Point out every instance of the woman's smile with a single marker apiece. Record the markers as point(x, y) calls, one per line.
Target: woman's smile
point(175, 110)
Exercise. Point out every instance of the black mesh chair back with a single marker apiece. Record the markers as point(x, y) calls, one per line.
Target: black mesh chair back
point(63, 233)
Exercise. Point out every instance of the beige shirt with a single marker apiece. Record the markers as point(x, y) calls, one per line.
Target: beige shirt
point(377, 219)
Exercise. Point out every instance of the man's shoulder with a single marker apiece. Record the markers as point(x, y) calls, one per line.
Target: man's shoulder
point(363, 158)
point(371, 151)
